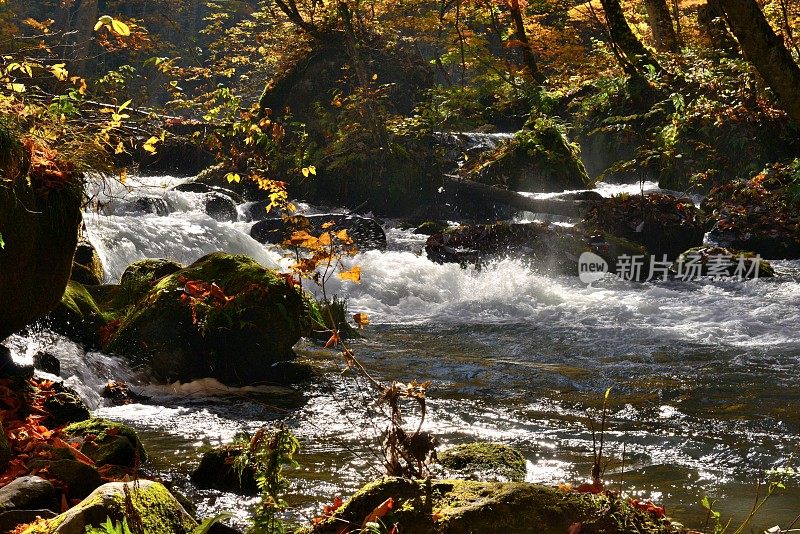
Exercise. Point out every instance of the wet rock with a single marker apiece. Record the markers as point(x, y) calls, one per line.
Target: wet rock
point(225, 317)
point(366, 232)
point(431, 227)
point(216, 470)
point(664, 224)
point(87, 268)
point(549, 248)
point(44, 361)
point(140, 277)
point(10, 369)
point(484, 461)
point(488, 507)
point(151, 204)
point(28, 493)
point(220, 207)
point(537, 159)
point(79, 478)
point(155, 507)
point(40, 233)
point(176, 156)
point(120, 394)
point(78, 316)
point(107, 442)
point(65, 407)
point(721, 262)
point(199, 187)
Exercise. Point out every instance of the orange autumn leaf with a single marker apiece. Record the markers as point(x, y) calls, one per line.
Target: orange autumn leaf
point(380, 511)
point(361, 319)
point(354, 274)
point(334, 339)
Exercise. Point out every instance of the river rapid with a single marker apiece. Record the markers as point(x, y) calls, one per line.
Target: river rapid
point(704, 374)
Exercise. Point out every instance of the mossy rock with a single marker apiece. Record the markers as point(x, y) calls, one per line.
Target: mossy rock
point(723, 263)
point(537, 159)
point(431, 227)
point(87, 268)
point(461, 507)
point(155, 508)
point(39, 225)
point(78, 478)
point(66, 407)
point(237, 334)
point(140, 276)
point(107, 442)
point(484, 461)
point(79, 316)
point(216, 470)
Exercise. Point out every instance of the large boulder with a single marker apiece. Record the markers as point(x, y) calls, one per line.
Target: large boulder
point(761, 215)
point(149, 504)
point(40, 213)
point(28, 493)
point(663, 224)
point(538, 159)
point(224, 316)
point(459, 507)
point(107, 442)
point(366, 232)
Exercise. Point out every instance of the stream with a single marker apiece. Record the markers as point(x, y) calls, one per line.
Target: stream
point(704, 398)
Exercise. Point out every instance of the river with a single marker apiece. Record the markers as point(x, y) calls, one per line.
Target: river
point(704, 397)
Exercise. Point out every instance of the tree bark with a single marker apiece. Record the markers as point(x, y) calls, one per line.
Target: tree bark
point(661, 25)
point(629, 46)
point(711, 22)
point(766, 51)
point(527, 54)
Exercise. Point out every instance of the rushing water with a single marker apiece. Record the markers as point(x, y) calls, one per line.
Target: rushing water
point(703, 374)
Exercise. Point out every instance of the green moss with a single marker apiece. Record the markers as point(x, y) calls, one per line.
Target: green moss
point(468, 506)
point(431, 227)
point(113, 443)
point(485, 461)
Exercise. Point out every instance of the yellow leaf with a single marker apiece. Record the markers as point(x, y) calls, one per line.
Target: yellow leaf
point(60, 72)
point(17, 87)
point(325, 239)
point(150, 145)
point(361, 319)
point(98, 25)
point(305, 171)
point(233, 177)
point(354, 274)
point(120, 28)
point(312, 170)
point(120, 148)
point(123, 175)
point(375, 76)
point(327, 225)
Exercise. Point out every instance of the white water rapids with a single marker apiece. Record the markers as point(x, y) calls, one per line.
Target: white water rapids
point(704, 374)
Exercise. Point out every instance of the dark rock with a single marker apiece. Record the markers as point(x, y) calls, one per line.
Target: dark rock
point(66, 407)
point(431, 227)
point(151, 204)
point(87, 267)
point(5, 447)
point(216, 470)
point(78, 316)
point(722, 263)
point(222, 528)
point(484, 461)
point(176, 156)
point(365, 232)
point(10, 369)
point(28, 493)
point(10, 519)
point(250, 322)
point(220, 207)
point(199, 187)
point(40, 233)
point(108, 443)
point(80, 479)
point(665, 225)
point(120, 394)
point(44, 361)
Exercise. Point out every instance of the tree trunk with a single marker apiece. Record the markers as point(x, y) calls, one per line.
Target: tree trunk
point(766, 51)
point(527, 53)
point(661, 25)
point(629, 46)
point(710, 20)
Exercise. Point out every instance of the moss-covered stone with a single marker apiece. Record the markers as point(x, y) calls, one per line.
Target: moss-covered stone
point(484, 461)
point(78, 478)
point(107, 442)
point(65, 407)
point(87, 268)
point(79, 316)
point(39, 224)
point(5, 449)
point(431, 227)
point(216, 470)
point(460, 507)
point(149, 505)
point(184, 329)
point(722, 262)
point(539, 158)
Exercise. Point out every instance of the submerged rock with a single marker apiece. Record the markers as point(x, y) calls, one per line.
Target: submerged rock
point(459, 506)
point(366, 232)
point(155, 508)
point(224, 316)
point(484, 461)
point(220, 207)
